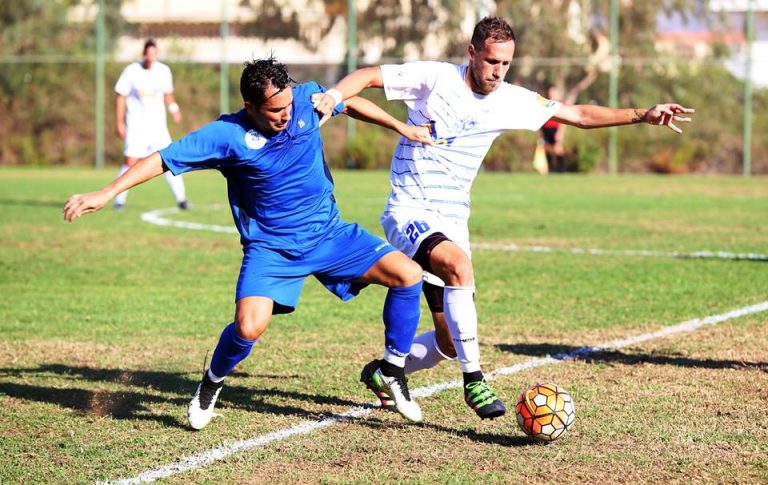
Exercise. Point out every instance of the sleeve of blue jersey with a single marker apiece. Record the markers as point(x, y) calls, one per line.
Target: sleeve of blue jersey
point(201, 149)
point(306, 90)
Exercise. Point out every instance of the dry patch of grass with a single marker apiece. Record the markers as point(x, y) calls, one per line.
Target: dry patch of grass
point(687, 408)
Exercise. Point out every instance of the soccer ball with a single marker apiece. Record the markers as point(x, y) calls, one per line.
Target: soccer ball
point(545, 411)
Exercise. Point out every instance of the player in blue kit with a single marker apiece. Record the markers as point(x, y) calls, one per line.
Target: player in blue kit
point(281, 196)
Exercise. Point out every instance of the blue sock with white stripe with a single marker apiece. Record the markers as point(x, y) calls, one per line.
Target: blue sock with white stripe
point(402, 310)
point(230, 351)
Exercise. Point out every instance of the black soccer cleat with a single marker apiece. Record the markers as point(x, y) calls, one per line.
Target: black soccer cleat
point(366, 377)
point(482, 399)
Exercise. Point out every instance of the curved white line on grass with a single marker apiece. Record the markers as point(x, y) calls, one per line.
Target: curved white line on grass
point(623, 252)
point(207, 457)
point(156, 217)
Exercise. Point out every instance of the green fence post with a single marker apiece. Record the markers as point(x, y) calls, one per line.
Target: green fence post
point(351, 64)
point(613, 87)
point(224, 65)
point(749, 37)
point(99, 102)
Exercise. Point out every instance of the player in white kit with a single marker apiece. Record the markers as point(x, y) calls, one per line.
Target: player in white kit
point(464, 107)
point(143, 90)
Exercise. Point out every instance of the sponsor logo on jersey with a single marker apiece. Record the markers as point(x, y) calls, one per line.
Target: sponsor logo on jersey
point(380, 247)
point(547, 103)
point(436, 140)
point(254, 140)
point(147, 94)
point(301, 123)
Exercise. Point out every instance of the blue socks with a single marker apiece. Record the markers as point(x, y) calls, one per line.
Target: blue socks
point(401, 318)
point(230, 351)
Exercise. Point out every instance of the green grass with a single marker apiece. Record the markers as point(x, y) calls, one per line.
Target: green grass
point(105, 324)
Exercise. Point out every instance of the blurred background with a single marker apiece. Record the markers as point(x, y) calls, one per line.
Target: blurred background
point(60, 59)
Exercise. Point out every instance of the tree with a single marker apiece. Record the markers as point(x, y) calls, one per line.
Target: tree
point(47, 110)
point(564, 43)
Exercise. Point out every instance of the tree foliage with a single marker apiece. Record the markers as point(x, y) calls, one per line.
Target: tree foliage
point(48, 106)
point(49, 114)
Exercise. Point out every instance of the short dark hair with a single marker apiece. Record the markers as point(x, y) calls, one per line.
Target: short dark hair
point(495, 29)
point(149, 43)
point(258, 75)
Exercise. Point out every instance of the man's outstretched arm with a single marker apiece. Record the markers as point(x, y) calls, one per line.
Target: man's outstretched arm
point(368, 111)
point(592, 116)
point(145, 169)
point(352, 84)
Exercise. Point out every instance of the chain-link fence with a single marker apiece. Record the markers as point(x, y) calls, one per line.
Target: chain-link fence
point(49, 87)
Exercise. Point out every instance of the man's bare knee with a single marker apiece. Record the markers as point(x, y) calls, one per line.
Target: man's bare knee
point(452, 264)
point(252, 317)
point(410, 274)
point(250, 328)
point(459, 273)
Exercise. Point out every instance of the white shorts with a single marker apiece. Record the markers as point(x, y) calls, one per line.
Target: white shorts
point(138, 144)
point(407, 229)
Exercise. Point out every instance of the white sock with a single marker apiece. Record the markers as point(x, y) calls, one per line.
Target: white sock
point(394, 359)
point(461, 316)
point(425, 353)
point(122, 196)
point(213, 377)
point(176, 183)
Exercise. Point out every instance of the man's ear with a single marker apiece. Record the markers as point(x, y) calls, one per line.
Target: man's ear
point(250, 108)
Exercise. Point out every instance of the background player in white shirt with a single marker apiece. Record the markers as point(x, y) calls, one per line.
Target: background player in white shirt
point(144, 89)
point(465, 107)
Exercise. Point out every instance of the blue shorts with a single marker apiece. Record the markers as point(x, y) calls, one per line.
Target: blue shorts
point(337, 263)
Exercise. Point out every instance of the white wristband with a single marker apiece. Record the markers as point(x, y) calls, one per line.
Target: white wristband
point(173, 108)
point(335, 94)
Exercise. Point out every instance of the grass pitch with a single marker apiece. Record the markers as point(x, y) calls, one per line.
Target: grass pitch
point(105, 324)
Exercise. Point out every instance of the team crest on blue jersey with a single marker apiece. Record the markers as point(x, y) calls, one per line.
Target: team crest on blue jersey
point(254, 140)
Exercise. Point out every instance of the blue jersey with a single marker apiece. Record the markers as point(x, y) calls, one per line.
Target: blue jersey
point(280, 189)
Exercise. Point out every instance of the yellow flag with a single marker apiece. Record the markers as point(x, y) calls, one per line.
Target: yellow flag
point(540, 160)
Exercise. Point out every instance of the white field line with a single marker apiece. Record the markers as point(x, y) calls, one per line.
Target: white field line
point(157, 217)
point(205, 458)
point(623, 252)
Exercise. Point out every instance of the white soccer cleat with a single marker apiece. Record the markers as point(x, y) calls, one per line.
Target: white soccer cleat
point(397, 388)
point(200, 411)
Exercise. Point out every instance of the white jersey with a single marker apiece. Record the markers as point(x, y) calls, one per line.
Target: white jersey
point(145, 119)
point(438, 178)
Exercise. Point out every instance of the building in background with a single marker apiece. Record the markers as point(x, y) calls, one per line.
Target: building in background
point(190, 30)
point(696, 39)
point(296, 31)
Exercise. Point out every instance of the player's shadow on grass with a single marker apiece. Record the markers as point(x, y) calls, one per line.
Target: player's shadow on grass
point(590, 355)
point(99, 403)
point(502, 438)
point(138, 403)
